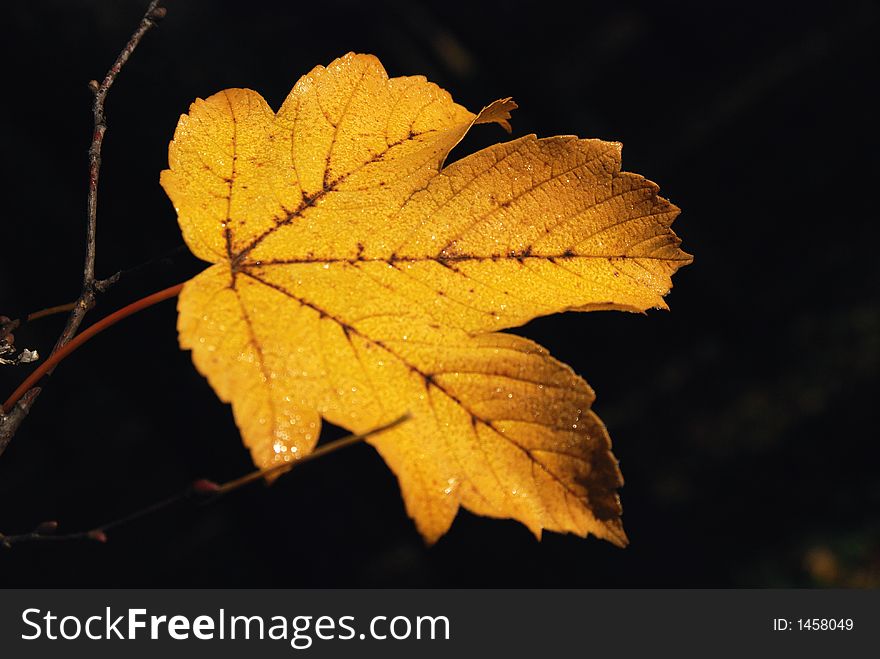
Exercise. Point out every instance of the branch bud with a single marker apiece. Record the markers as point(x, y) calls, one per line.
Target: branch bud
point(97, 535)
point(204, 486)
point(46, 528)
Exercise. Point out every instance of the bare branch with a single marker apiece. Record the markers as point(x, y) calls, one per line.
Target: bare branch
point(9, 423)
point(83, 337)
point(200, 489)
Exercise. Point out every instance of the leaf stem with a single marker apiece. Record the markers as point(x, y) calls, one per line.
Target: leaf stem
point(83, 337)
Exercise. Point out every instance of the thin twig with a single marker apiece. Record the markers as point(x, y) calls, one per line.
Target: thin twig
point(201, 489)
point(9, 325)
point(50, 311)
point(10, 422)
point(86, 335)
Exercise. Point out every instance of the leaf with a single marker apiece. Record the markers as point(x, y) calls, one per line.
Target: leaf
point(355, 278)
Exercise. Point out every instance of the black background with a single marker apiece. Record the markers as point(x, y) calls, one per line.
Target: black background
point(745, 419)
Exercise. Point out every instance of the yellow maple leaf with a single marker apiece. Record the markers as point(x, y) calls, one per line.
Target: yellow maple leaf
point(356, 278)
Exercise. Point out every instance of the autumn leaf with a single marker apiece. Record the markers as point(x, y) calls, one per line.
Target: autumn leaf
point(355, 278)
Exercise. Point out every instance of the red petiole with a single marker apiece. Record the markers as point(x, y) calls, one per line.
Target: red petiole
point(81, 338)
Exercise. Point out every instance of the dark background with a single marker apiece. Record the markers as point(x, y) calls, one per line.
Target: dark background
point(745, 419)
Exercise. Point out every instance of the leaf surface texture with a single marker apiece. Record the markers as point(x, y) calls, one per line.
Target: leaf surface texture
point(356, 278)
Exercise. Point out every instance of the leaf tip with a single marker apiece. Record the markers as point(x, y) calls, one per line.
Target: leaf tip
point(616, 535)
point(498, 112)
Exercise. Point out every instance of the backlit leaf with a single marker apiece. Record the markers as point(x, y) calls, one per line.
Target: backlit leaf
point(355, 278)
